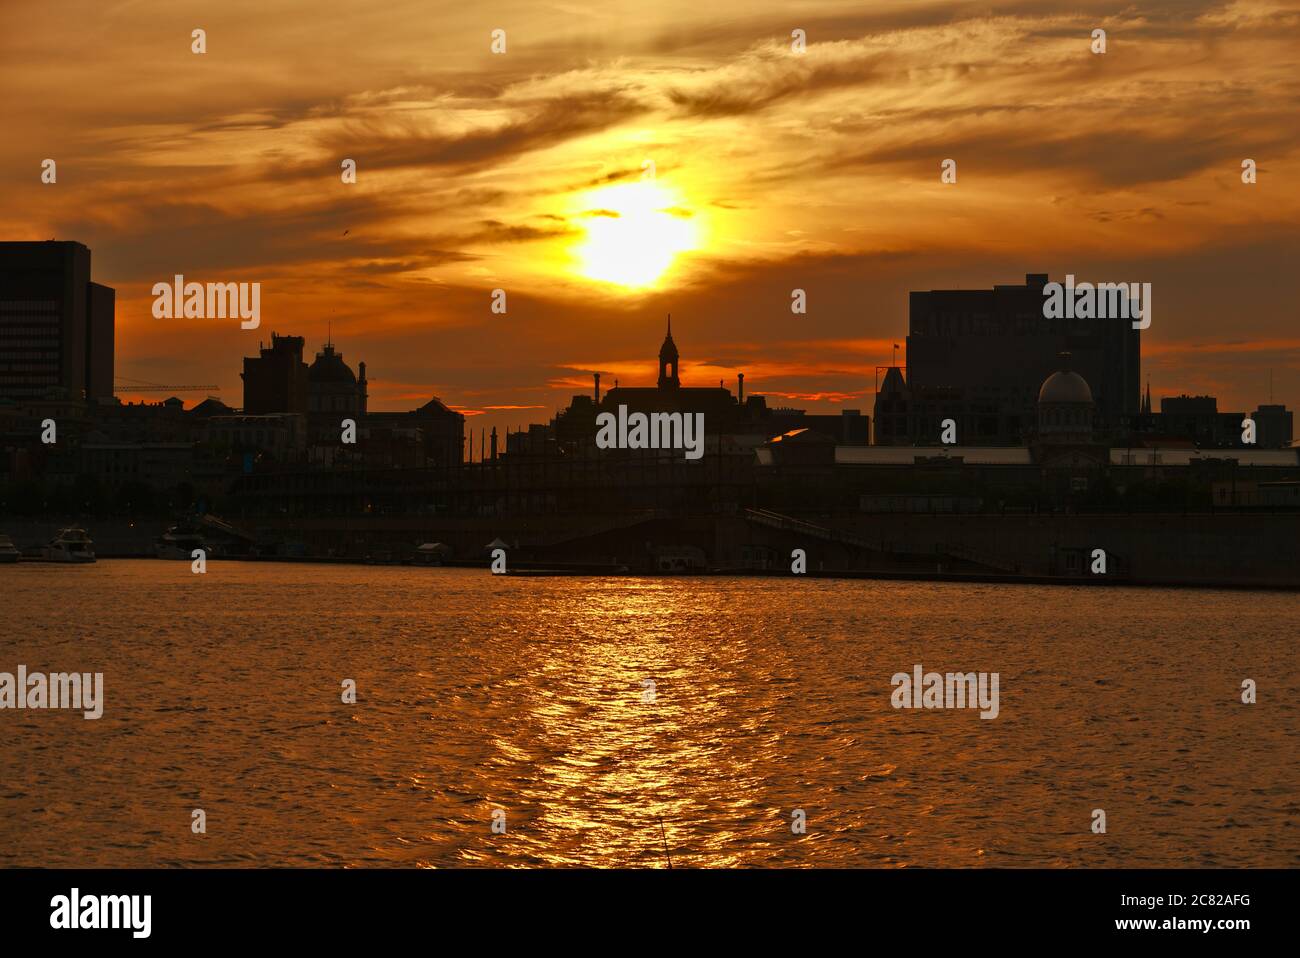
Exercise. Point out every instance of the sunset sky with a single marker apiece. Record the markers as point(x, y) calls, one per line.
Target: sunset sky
point(774, 170)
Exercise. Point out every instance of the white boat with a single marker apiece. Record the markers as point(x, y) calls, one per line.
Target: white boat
point(8, 551)
point(69, 545)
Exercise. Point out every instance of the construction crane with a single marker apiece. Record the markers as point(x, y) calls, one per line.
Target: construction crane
point(141, 386)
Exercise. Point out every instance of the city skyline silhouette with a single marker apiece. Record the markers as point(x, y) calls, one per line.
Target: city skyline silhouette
point(527, 172)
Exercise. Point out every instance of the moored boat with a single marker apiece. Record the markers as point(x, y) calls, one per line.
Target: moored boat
point(431, 553)
point(8, 551)
point(179, 542)
point(69, 545)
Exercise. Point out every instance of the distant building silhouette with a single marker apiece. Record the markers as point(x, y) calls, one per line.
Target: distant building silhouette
point(668, 359)
point(279, 386)
point(746, 419)
point(276, 381)
point(716, 402)
point(281, 436)
point(56, 326)
point(979, 357)
point(1273, 422)
point(334, 393)
point(1065, 407)
point(1198, 420)
point(438, 431)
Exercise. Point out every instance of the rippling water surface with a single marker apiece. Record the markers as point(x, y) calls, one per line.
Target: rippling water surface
point(528, 695)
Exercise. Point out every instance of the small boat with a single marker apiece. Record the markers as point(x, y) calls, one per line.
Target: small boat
point(431, 553)
point(8, 551)
point(179, 542)
point(69, 545)
point(683, 560)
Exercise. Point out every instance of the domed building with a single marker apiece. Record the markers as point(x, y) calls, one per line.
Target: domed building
point(332, 388)
point(1065, 407)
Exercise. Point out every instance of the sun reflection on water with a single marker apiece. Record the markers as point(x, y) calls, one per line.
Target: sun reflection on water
point(528, 695)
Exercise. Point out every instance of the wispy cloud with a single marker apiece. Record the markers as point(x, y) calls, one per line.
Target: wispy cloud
point(817, 171)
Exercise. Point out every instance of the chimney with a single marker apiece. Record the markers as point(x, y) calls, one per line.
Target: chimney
point(741, 389)
point(597, 376)
point(494, 443)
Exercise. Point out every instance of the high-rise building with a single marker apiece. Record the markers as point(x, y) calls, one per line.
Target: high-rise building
point(56, 326)
point(979, 356)
point(100, 334)
point(276, 380)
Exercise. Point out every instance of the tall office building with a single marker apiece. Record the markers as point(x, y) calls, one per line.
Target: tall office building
point(979, 356)
point(100, 335)
point(56, 326)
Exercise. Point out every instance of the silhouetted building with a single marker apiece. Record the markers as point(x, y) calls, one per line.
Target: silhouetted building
point(534, 441)
point(100, 334)
point(907, 416)
point(849, 427)
point(719, 408)
point(979, 357)
point(334, 392)
point(161, 465)
point(141, 422)
point(1198, 420)
point(281, 436)
point(1273, 426)
point(668, 358)
point(745, 419)
point(324, 395)
point(436, 432)
point(1065, 408)
point(212, 406)
point(1065, 439)
point(56, 326)
point(276, 380)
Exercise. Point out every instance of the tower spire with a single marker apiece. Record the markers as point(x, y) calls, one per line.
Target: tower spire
point(668, 360)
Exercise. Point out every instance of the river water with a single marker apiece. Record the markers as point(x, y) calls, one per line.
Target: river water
point(626, 721)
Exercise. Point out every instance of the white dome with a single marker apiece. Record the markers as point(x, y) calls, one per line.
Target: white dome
point(1066, 387)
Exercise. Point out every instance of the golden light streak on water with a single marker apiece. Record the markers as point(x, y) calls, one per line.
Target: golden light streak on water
point(526, 694)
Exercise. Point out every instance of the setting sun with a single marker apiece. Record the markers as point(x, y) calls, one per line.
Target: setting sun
point(634, 231)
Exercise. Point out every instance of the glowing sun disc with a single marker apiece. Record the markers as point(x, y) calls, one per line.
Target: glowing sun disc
point(634, 233)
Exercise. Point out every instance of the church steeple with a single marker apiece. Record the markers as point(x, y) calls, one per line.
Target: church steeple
point(668, 378)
